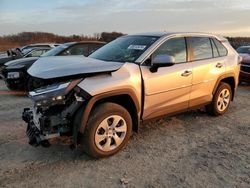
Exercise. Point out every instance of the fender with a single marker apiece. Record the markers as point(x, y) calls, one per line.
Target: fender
point(89, 106)
point(227, 75)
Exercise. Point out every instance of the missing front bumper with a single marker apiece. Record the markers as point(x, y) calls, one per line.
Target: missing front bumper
point(42, 128)
point(32, 131)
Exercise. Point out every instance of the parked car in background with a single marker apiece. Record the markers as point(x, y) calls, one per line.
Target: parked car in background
point(37, 52)
point(244, 52)
point(26, 48)
point(14, 54)
point(100, 99)
point(15, 72)
point(3, 54)
point(11, 54)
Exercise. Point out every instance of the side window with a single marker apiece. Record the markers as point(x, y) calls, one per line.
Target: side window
point(201, 48)
point(222, 50)
point(77, 50)
point(215, 50)
point(94, 47)
point(36, 53)
point(175, 47)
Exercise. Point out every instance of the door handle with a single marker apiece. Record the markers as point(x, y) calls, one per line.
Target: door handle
point(186, 73)
point(219, 65)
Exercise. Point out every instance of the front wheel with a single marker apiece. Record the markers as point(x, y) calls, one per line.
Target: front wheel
point(221, 100)
point(108, 130)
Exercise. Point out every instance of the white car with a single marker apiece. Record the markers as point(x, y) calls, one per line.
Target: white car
point(26, 48)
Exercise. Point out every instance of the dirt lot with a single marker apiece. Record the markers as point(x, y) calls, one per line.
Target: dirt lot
point(188, 150)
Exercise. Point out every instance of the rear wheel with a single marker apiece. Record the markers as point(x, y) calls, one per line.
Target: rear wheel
point(108, 130)
point(221, 100)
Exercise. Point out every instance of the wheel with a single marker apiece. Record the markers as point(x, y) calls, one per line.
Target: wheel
point(221, 100)
point(34, 83)
point(108, 130)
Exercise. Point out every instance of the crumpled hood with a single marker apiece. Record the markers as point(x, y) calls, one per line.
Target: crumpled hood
point(21, 62)
point(64, 66)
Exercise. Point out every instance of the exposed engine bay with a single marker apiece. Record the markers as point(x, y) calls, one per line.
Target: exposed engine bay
point(53, 112)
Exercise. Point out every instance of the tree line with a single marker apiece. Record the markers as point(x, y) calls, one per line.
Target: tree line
point(24, 38)
point(239, 41)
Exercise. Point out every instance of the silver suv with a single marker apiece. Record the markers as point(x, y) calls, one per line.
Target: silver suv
point(98, 101)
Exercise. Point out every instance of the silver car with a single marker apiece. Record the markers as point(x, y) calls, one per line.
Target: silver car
point(98, 101)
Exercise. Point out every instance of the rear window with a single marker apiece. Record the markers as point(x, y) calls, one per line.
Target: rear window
point(243, 50)
point(79, 49)
point(221, 49)
point(94, 47)
point(215, 50)
point(201, 48)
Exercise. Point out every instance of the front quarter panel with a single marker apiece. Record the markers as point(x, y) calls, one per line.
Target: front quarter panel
point(128, 77)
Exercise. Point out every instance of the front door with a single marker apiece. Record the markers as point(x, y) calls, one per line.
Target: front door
point(168, 89)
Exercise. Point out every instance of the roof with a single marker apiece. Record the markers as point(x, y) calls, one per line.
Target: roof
point(41, 48)
point(83, 42)
point(163, 34)
point(42, 44)
point(91, 41)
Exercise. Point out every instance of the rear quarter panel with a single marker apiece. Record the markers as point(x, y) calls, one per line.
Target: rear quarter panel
point(232, 63)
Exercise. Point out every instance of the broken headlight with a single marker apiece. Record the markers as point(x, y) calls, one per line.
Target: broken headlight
point(52, 94)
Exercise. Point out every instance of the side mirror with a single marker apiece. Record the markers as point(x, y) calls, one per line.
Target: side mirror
point(161, 61)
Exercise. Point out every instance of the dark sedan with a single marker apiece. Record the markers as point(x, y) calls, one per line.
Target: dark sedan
point(15, 72)
point(244, 52)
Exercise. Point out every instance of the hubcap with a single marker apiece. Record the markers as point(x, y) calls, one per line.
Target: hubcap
point(223, 100)
point(110, 133)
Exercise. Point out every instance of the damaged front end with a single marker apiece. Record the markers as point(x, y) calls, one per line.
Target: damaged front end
point(53, 113)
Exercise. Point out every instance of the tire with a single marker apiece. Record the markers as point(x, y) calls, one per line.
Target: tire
point(221, 100)
point(98, 141)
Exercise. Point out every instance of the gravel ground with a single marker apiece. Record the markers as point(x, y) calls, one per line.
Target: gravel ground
point(188, 150)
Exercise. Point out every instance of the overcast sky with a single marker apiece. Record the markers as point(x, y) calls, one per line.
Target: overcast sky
point(227, 17)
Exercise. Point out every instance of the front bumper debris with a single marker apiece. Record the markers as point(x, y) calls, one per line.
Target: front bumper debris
point(43, 126)
point(32, 131)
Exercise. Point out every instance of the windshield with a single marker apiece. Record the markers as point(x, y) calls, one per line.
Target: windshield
point(243, 50)
point(55, 51)
point(26, 51)
point(124, 49)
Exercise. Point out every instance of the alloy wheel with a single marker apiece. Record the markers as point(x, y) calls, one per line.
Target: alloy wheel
point(223, 100)
point(110, 133)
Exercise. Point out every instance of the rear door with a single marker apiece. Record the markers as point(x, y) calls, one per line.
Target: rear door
point(207, 67)
point(168, 89)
